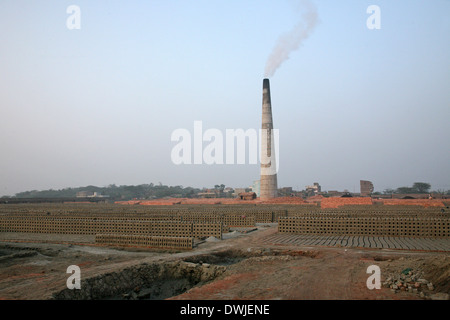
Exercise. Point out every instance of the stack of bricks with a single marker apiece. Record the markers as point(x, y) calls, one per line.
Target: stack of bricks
point(93, 225)
point(365, 225)
point(202, 230)
point(335, 202)
point(229, 219)
point(418, 202)
point(201, 217)
point(181, 243)
point(170, 229)
point(263, 217)
point(384, 211)
point(232, 220)
point(67, 225)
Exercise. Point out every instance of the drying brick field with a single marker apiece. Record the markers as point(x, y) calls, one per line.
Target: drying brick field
point(288, 249)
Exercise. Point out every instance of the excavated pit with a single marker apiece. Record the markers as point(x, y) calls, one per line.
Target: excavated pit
point(230, 257)
point(144, 282)
point(163, 280)
point(223, 258)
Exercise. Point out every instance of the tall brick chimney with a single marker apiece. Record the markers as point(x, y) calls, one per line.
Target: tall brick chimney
point(268, 188)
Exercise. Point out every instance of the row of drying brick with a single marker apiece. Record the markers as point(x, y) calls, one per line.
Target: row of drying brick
point(133, 240)
point(227, 220)
point(91, 227)
point(335, 202)
point(371, 213)
point(222, 209)
point(383, 207)
point(419, 202)
point(137, 210)
point(90, 217)
point(370, 226)
point(68, 209)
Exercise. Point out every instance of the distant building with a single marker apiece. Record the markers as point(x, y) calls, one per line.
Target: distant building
point(90, 194)
point(313, 190)
point(85, 194)
point(247, 195)
point(335, 193)
point(207, 194)
point(285, 191)
point(237, 191)
point(99, 195)
point(366, 188)
point(256, 188)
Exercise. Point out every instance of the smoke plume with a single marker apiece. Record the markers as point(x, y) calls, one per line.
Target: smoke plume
point(291, 41)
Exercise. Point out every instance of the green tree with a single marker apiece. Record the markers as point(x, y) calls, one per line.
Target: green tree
point(421, 187)
point(406, 190)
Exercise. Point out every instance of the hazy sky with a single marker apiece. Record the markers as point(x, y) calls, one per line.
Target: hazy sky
point(98, 105)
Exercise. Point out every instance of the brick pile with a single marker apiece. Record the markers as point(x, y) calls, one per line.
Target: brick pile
point(285, 200)
point(92, 226)
point(335, 202)
point(239, 220)
point(203, 230)
point(345, 224)
point(414, 202)
point(132, 240)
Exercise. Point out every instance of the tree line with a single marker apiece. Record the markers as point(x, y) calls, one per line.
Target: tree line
point(123, 192)
point(417, 187)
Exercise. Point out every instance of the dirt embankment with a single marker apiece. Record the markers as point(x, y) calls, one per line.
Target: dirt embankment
point(320, 273)
point(146, 281)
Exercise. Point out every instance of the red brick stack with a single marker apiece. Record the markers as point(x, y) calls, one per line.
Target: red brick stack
point(335, 202)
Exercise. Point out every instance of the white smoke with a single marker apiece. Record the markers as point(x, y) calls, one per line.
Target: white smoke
point(291, 41)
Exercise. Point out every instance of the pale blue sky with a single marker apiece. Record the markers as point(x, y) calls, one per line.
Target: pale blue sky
point(98, 105)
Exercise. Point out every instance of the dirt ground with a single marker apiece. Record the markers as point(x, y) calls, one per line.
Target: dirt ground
point(33, 270)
